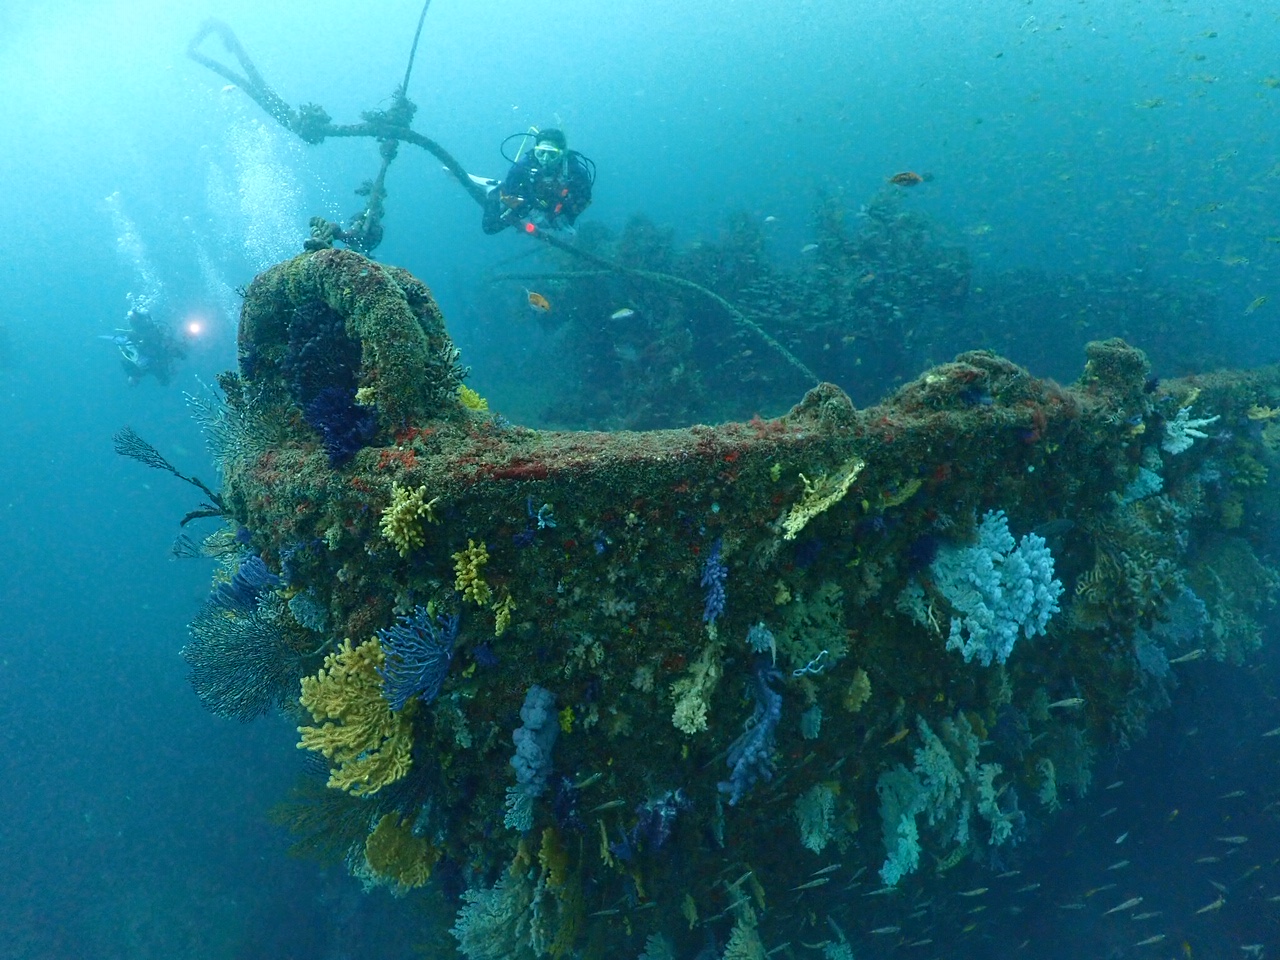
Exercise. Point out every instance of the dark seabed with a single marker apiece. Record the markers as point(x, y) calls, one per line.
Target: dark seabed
point(980, 664)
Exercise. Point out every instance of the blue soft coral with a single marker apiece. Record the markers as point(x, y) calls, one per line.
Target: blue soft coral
point(751, 755)
point(997, 589)
point(322, 367)
point(344, 425)
point(714, 575)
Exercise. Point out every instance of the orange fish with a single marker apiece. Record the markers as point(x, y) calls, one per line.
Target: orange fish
point(908, 178)
point(538, 303)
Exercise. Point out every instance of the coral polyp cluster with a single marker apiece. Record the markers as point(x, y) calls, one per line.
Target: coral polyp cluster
point(635, 691)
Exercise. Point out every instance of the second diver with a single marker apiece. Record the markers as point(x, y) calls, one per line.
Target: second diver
point(546, 188)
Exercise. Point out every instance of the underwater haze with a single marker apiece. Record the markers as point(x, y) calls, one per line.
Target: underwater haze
point(1081, 169)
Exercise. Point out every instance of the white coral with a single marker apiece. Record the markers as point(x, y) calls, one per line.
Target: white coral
point(815, 815)
point(1182, 431)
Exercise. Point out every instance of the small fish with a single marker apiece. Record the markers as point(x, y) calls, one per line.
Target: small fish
point(1102, 889)
point(908, 178)
point(538, 303)
point(825, 870)
point(1232, 795)
point(1235, 841)
point(229, 87)
point(1071, 906)
point(1007, 874)
point(1150, 914)
point(1150, 940)
point(770, 219)
point(1114, 786)
point(883, 930)
point(809, 248)
point(1028, 888)
point(1108, 812)
point(737, 883)
point(1127, 905)
point(1271, 733)
point(608, 805)
point(1188, 657)
point(1255, 304)
point(811, 884)
point(975, 892)
point(1070, 703)
point(626, 313)
point(1119, 865)
point(900, 735)
point(1209, 860)
point(1122, 838)
point(1210, 907)
point(921, 943)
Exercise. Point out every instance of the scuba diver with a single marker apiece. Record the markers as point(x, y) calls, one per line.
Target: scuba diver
point(147, 347)
point(546, 188)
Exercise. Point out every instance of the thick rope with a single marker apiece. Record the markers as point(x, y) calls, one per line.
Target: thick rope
point(413, 51)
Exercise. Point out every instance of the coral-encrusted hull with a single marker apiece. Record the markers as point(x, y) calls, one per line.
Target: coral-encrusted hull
point(658, 594)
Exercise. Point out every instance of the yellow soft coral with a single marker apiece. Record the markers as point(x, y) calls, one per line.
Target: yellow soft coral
point(397, 856)
point(472, 400)
point(858, 692)
point(692, 692)
point(367, 744)
point(402, 519)
point(468, 564)
point(502, 611)
point(819, 495)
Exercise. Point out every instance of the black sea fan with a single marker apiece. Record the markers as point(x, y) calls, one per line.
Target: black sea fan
point(242, 664)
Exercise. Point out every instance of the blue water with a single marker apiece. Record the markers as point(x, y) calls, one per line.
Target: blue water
point(1123, 138)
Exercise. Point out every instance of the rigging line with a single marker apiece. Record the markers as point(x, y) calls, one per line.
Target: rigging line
point(413, 51)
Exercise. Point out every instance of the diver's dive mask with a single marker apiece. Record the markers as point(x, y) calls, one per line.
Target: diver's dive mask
point(547, 154)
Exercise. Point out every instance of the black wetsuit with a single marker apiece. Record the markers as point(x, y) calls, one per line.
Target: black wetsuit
point(554, 199)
